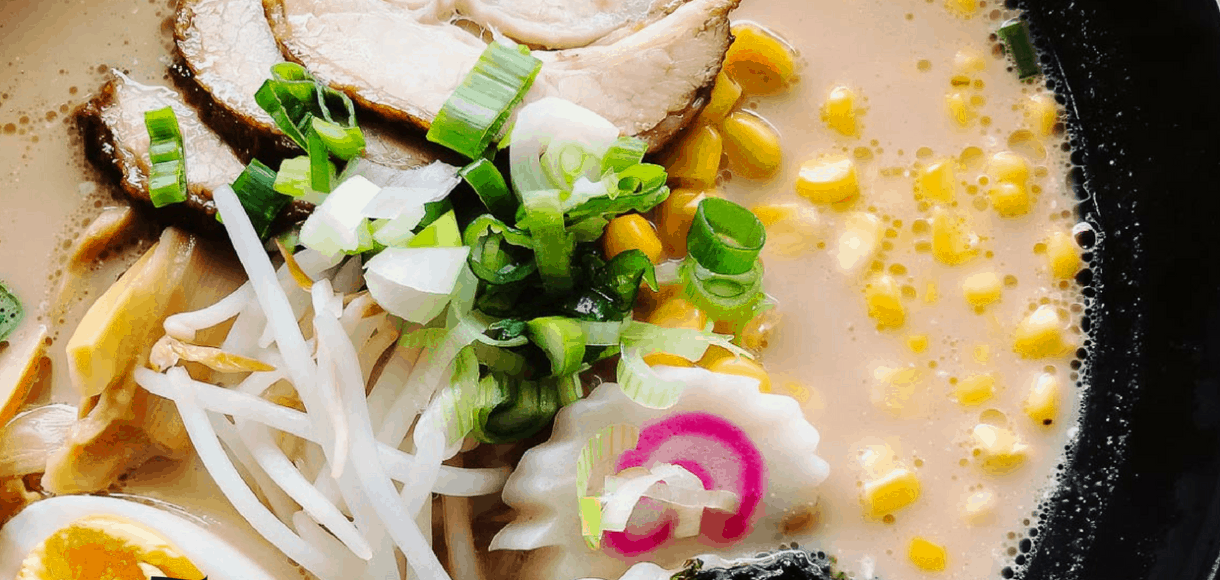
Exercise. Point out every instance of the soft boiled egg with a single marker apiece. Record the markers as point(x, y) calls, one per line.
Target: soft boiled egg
point(90, 537)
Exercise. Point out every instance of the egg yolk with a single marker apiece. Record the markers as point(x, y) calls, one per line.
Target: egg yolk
point(106, 548)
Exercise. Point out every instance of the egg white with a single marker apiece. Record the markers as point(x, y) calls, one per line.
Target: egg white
point(210, 553)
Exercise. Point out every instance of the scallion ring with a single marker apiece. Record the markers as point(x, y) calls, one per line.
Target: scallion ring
point(725, 238)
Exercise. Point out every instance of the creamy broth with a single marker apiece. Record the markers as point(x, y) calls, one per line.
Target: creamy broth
point(54, 55)
point(827, 352)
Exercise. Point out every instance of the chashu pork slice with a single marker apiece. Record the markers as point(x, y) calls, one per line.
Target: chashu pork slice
point(405, 63)
point(558, 24)
point(228, 51)
point(113, 123)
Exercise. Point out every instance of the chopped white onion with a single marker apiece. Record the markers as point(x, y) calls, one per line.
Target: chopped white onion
point(349, 278)
point(415, 283)
point(548, 122)
point(336, 226)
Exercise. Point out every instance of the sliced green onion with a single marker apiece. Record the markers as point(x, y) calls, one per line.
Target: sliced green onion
point(529, 407)
point(553, 245)
point(589, 229)
point(343, 142)
point(724, 237)
point(255, 188)
point(11, 312)
point(563, 341)
point(1015, 36)
point(441, 233)
point(507, 329)
point(293, 178)
point(625, 272)
point(488, 183)
point(321, 170)
point(688, 343)
point(722, 296)
point(641, 178)
point(597, 459)
point(500, 360)
point(501, 299)
point(569, 389)
point(423, 338)
point(602, 333)
point(565, 162)
point(294, 98)
point(167, 158)
point(624, 153)
point(641, 384)
point(499, 254)
point(609, 207)
point(474, 114)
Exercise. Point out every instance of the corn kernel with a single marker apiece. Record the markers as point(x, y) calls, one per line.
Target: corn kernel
point(963, 8)
point(917, 343)
point(1042, 402)
point(828, 180)
point(959, 109)
point(792, 229)
point(741, 366)
point(978, 507)
point(1008, 167)
point(1041, 335)
point(839, 112)
point(695, 159)
point(752, 145)
point(1063, 256)
point(678, 312)
point(898, 489)
point(658, 359)
point(675, 215)
point(968, 61)
point(952, 241)
point(725, 94)
point(1010, 199)
point(927, 556)
point(901, 392)
point(1042, 113)
point(884, 300)
point(759, 61)
point(859, 241)
point(931, 294)
point(1000, 450)
point(631, 232)
point(982, 354)
point(974, 390)
point(755, 336)
point(982, 289)
point(937, 182)
point(714, 354)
